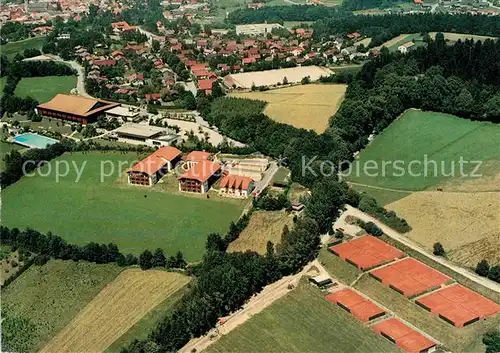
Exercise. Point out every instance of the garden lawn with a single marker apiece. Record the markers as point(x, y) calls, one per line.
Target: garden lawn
point(44, 299)
point(12, 48)
point(420, 136)
point(133, 217)
point(302, 321)
point(45, 88)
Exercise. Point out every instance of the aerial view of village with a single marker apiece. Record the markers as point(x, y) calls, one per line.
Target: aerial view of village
point(250, 176)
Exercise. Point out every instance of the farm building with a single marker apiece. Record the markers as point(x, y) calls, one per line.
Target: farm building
point(366, 252)
point(200, 177)
point(410, 277)
point(236, 186)
point(458, 305)
point(246, 80)
point(196, 156)
point(74, 108)
point(404, 337)
point(357, 305)
point(321, 280)
point(146, 134)
point(148, 171)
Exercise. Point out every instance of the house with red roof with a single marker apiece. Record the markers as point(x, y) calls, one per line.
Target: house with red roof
point(247, 61)
point(152, 97)
point(104, 62)
point(200, 177)
point(236, 186)
point(354, 35)
point(152, 168)
point(206, 85)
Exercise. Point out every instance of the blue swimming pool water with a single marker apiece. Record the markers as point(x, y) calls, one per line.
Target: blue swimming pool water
point(33, 140)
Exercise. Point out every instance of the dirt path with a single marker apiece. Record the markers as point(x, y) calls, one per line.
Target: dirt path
point(255, 305)
point(404, 240)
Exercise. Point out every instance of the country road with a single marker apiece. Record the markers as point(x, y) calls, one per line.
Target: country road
point(406, 241)
point(80, 83)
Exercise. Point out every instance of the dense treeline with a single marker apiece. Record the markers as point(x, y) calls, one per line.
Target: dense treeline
point(369, 205)
point(50, 245)
point(381, 28)
point(432, 78)
point(278, 14)
point(368, 4)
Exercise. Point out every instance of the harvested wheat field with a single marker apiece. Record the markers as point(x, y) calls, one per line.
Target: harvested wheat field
point(264, 226)
point(451, 218)
point(454, 37)
point(470, 254)
point(305, 106)
point(115, 309)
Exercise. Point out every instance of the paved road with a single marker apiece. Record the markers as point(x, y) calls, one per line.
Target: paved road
point(80, 83)
point(404, 240)
point(268, 176)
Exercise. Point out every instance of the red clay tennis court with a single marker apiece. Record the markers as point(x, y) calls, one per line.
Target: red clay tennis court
point(366, 252)
point(410, 277)
point(403, 336)
point(357, 305)
point(458, 305)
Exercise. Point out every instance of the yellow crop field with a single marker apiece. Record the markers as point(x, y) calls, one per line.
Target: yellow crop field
point(453, 37)
point(117, 307)
point(305, 106)
point(455, 219)
point(264, 226)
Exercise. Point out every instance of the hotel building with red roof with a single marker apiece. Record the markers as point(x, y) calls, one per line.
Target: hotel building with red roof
point(149, 170)
point(200, 177)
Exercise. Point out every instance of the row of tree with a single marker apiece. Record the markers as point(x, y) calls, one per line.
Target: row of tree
point(50, 245)
point(148, 260)
point(484, 269)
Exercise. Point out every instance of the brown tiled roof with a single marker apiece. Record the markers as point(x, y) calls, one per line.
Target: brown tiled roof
point(201, 171)
point(235, 182)
point(77, 105)
point(152, 163)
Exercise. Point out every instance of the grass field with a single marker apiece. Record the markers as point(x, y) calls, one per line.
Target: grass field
point(44, 89)
point(104, 319)
point(337, 267)
point(426, 136)
point(3, 81)
point(264, 226)
point(453, 219)
point(383, 197)
point(134, 218)
point(12, 48)
point(44, 299)
point(148, 323)
point(303, 106)
point(455, 339)
point(302, 321)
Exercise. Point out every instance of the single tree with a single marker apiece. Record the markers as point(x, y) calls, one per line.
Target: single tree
point(159, 259)
point(146, 260)
point(438, 249)
point(483, 268)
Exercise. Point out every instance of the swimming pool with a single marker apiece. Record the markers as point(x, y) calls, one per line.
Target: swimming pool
point(33, 140)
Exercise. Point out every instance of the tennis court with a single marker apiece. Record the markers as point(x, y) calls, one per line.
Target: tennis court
point(458, 305)
point(357, 305)
point(403, 336)
point(366, 252)
point(410, 277)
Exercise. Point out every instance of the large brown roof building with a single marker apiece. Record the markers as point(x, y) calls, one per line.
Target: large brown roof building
point(75, 108)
